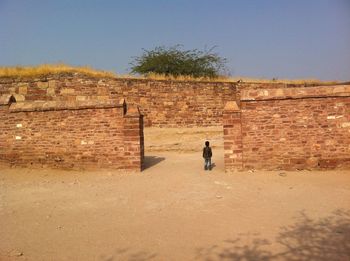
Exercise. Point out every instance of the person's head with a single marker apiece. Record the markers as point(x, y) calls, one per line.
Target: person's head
point(207, 143)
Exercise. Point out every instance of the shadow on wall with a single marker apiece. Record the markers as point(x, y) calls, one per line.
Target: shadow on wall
point(324, 239)
point(150, 161)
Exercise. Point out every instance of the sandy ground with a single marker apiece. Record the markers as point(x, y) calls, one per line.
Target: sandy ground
point(174, 210)
point(182, 139)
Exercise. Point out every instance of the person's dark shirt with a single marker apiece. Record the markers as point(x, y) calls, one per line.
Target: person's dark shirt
point(207, 153)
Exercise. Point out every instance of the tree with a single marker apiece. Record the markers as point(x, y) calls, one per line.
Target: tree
point(174, 61)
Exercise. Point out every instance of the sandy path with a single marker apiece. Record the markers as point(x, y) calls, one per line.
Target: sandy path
point(174, 210)
point(182, 139)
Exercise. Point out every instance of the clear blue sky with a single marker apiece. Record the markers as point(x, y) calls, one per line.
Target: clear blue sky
point(261, 38)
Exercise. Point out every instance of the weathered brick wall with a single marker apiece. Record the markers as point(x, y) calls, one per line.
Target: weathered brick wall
point(71, 135)
point(163, 103)
point(259, 87)
point(233, 146)
point(292, 128)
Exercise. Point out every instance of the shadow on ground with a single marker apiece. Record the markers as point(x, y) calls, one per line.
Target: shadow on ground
point(150, 161)
point(323, 239)
point(129, 255)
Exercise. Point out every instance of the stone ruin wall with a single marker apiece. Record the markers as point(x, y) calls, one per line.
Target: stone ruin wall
point(163, 103)
point(270, 126)
point(291, 128)
point(71, 135)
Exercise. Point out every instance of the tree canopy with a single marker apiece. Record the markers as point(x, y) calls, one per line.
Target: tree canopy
point(175, 61)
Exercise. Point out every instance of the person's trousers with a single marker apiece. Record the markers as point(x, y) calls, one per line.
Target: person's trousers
point(207, 163)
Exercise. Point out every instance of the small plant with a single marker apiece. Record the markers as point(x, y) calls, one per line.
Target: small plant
point(176, 62)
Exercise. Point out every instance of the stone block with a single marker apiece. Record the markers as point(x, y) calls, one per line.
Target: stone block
point(312, 162)
point(70, 98)
point(103, 98)
point(231, 106)
point(42, 85)
point(23, 89)
point(12, 90)
point(102, 91)
point(51, 91)
point(143, 100)
point(67, 91)
point(345, 125)
point(52, 84)
point(81, 98)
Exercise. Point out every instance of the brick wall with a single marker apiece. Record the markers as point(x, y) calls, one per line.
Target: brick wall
point(291, 128)
point(71, 135)
point(232, 137)
point(163, 103)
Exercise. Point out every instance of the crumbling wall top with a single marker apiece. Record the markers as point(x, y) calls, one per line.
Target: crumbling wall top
point(296, 93)
point(63, 105)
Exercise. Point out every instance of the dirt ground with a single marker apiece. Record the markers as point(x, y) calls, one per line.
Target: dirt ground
point(174, 210)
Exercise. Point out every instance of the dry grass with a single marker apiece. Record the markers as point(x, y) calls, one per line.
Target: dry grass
point(154, 76)
point(296, 81)
point(51, 69)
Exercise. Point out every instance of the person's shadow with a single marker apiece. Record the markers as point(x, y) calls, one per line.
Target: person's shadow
point(150, 161)
point(213, 165)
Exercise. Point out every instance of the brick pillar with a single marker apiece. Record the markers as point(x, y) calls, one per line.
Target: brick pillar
point(133, 139)
point(232, 137)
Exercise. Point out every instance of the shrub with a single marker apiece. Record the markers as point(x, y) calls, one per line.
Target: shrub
point(174, 61)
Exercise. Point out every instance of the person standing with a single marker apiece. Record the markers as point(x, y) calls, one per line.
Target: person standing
point(207, 154)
